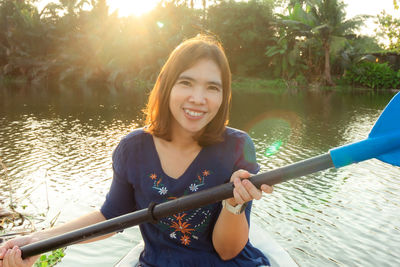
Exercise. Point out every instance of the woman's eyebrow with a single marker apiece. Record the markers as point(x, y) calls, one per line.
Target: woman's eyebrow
point(184, 77)
point(216, 84)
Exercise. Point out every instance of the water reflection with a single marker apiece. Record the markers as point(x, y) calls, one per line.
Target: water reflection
point(333, 218)
point(58, 146)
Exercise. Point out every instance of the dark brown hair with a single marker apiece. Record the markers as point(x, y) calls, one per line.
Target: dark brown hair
point(184, 56)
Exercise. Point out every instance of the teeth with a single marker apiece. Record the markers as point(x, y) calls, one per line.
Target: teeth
point(194, 114)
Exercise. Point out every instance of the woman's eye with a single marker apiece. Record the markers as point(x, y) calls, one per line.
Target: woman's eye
point(214, 88)
point(186, 83)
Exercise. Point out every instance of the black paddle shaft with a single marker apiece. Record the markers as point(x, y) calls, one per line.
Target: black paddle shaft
point(196, 200)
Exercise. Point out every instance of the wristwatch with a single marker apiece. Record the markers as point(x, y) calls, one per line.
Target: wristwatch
point(238, 209)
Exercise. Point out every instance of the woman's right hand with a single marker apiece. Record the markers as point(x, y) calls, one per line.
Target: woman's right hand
point(10, 253)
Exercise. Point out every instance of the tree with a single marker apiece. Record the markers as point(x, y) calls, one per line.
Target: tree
point(332, 25)
point(323, 22)
point(245, 29)
point(389, 28)
point(286, 54)
point(24, 39)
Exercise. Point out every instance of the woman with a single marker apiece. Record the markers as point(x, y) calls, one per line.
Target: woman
point(185, 147)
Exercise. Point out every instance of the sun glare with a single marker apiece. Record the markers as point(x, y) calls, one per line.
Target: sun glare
point(131, 7)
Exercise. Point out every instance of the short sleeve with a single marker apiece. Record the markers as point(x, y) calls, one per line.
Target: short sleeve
point(246, 155)
point(120, 198)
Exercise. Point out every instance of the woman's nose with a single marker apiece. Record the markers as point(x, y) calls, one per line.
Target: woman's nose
point(198, 95)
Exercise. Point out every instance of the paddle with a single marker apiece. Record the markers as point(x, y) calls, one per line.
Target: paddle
point(382, 143)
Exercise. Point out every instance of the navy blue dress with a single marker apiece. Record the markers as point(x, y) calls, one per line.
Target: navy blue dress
point(183, 239)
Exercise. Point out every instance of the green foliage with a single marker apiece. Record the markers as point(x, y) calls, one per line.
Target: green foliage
point(67, 43)
point(389, 29)
point(286, 53)
point(373, 75)
point(50, 259)
point(364, 44)
point(315, 30)
point(358, 49)
point(78, 41)
point(245, 29)
point(286, 59)
point(22, 39)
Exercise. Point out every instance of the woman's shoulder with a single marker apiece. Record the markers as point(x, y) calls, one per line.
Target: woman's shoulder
point(135, 136)
point(243, 150)
point(234, 139)
point(238, 140)
point(133, 140)
point(235, 134)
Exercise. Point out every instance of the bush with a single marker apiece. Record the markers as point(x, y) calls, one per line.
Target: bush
point(373, 75)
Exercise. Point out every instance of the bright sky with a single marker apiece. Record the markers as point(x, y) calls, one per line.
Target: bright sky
point(354, 7)
point(370, 7)
point(128, 7)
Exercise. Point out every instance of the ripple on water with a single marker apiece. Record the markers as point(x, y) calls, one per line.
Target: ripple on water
point(345, 217)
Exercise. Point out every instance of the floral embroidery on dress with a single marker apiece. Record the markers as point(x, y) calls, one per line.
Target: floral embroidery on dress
point(162, 190)
point(185, 240)
point(181, 225)
point(193, 187)
point(199, 181)
point(184, 226)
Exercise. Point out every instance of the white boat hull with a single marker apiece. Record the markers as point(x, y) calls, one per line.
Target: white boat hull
point(260, 239)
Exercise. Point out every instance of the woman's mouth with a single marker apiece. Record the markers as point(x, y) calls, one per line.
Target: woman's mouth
point(193, 113)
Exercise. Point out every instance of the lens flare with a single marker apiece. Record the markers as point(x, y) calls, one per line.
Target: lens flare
point(274, 129)
point(273, 148)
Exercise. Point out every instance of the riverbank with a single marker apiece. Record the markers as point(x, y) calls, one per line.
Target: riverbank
point(280, 86)
point(239, 84)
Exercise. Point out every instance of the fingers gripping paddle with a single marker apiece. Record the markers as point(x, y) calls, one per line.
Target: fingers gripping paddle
point(382, 143)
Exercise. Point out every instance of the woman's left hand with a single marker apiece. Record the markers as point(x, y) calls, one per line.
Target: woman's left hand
point(244, 190)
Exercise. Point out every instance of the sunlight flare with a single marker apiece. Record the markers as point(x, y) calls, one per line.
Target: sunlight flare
point(132, 7)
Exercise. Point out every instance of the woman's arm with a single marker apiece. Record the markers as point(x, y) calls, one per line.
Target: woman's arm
point(10, 254)
point(83, 221)
point(231, 231)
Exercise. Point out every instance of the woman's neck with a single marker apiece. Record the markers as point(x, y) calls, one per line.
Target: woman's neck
point(183, 140)
point(176, 155)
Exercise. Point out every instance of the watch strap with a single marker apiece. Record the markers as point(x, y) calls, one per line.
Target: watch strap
point(238, 209)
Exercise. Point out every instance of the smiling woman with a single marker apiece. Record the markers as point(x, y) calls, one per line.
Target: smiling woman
point(131, 7)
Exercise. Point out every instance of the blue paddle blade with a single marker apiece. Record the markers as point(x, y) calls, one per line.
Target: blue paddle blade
point(382, 143)
point(389, 122)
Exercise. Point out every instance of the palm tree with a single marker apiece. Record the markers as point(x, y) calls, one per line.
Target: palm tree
point(323, 22)
point(331, 26)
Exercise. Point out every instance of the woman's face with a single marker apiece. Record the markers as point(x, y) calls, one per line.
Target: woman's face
point(196, 97)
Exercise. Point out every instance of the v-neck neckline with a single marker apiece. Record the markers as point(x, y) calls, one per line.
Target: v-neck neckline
point(158, 160)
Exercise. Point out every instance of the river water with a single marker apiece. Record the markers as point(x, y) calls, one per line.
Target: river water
point(57, 147)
